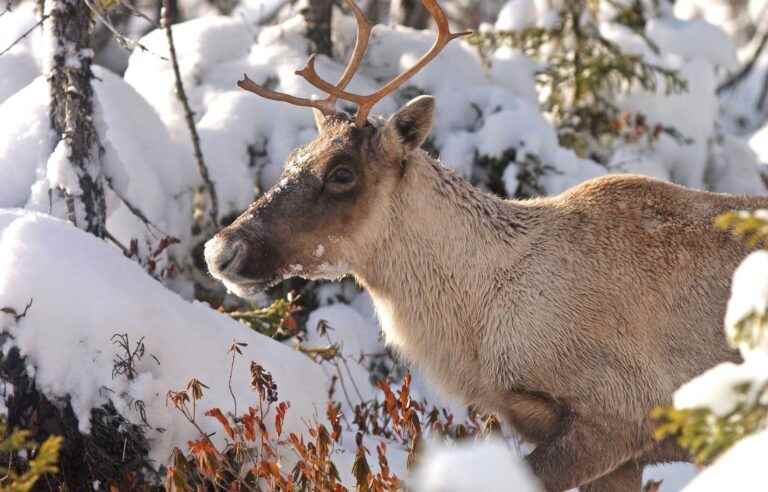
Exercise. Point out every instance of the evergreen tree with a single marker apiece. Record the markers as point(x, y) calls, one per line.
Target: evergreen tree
point(584, 72)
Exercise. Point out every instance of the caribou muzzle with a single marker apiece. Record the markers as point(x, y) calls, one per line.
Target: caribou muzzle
point(245, 265)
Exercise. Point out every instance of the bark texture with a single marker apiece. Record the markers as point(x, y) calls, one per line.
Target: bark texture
point(71, 112)
point(409, 13)
point(318, 15)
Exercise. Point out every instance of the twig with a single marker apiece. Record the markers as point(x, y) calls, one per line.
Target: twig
point(8, 8)
point(747, 68)
point(182, 95)
point(344, 361)
point(121, 38)
point(116, 242)
point(138, 13)
point(763, 94)
point(135, 210)
point(17, 317)
point(26, 33)
point(235, 349)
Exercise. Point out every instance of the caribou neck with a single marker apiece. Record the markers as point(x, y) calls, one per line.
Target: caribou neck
point(445, 240)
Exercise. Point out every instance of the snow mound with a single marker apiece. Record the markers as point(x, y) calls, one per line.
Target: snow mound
point(741, 468)
point(84, 291)
point(693, 39)
point(21, 64)
point(488, 465)
point(140, 159)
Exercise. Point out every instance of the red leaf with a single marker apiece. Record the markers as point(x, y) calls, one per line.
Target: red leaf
point(216, 413)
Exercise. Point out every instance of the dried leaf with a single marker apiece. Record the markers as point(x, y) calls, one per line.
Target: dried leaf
point(216, 413)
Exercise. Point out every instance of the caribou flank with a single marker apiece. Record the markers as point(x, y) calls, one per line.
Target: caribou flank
point(572, 316)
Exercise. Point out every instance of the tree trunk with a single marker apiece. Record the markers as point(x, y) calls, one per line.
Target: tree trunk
point(374, 10)
point(318, 14)
point(71, 114)
point(225, 7)
point(409, 13)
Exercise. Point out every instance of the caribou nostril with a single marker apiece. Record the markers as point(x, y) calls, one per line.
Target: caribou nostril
point(226, 258)
point(223, 256)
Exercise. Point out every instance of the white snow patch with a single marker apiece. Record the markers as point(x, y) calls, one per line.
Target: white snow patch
point(749, 292)
point(716, 388)
point(488, 465)
point(741, 468)
point(85, 291)
point(60, 172)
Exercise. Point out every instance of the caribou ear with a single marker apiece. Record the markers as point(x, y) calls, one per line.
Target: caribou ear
point(413, 122)
point(319, 119)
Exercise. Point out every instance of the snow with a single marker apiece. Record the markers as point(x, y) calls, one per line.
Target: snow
point(85, 291)
point(673, 476)
point(356, 337)
point(20, 65)
point(517, 15)
point(693, 39)
point(749, 294)
point(488, 465)
point(139, 157)
point(741, 468)
point(716, 388)
point(24, 141)
point(60, 172)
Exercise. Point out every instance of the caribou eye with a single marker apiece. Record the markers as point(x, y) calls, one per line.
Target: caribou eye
point(341, 179)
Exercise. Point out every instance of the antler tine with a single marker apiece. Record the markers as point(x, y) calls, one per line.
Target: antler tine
point(366, 103)
point(328, 105)
point(363, 36)
point(323, 105)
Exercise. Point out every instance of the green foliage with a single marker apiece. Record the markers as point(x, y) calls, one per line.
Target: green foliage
point(530, 169)
point(21, 475)
point(701, 431)
point(278, 320)
point(753, 227)
point(584, 71)
point(707, 435)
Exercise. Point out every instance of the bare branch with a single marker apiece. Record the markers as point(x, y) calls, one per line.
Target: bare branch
point(182, 96)
point(126, 252)
point(135, 210)
point(26, 33)
point(138, 13)
point(123, 40)
point(8, 8)
point(16, 316)
point(747, 68)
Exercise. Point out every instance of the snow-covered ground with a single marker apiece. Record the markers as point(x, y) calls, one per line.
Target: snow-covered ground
point(84, 290)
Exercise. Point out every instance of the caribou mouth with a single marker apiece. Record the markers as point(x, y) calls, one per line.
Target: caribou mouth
point(250, 289)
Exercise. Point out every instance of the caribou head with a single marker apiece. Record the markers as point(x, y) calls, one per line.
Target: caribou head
point(336, 191)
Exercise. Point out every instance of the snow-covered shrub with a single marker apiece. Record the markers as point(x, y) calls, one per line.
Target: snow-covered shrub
point(630, 86)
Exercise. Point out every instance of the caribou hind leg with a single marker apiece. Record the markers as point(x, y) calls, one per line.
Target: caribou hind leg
point(626, 478)
point(596, 451)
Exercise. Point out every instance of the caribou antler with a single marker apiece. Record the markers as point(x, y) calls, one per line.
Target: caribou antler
point(364, 103)
point(326, 106)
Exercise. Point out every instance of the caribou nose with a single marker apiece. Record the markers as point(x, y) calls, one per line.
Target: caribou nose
point(224, 257)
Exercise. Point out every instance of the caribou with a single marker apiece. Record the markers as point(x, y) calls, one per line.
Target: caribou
point(572, 316)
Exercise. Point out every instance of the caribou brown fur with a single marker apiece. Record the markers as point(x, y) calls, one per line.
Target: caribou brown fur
point(572, 316)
